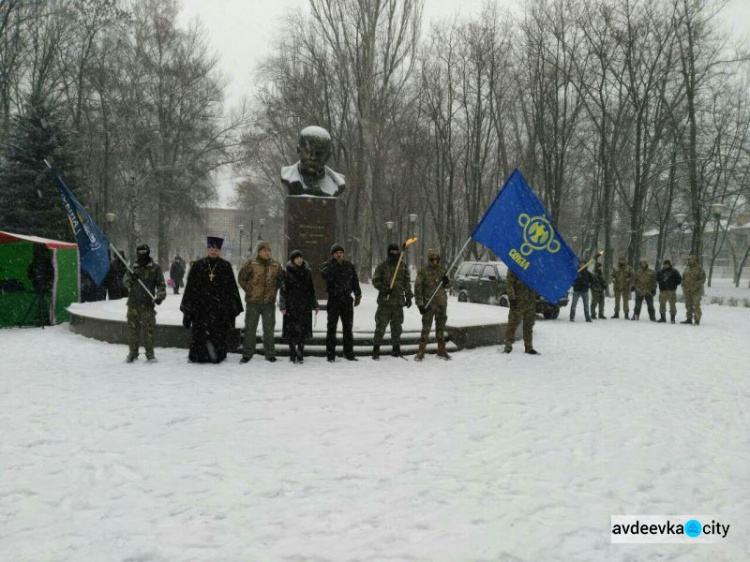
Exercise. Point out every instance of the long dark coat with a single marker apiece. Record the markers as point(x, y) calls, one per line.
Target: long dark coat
point(297, 297)
point(210, 306)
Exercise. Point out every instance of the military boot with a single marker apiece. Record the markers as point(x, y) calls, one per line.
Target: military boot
point(508, 348)
point(376, 352)
point(422, 349)
point(442, 353)
point(663, 319)
point(672, 318)
point(300, 353)
point(687, 321)
point(616, 315)
point(697, 322)
point(627, 316)
point(292, 353)
point(131, 357)
point(396, 351)
point(635, 316)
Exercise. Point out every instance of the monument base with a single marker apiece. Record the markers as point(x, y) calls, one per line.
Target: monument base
point(310, 227)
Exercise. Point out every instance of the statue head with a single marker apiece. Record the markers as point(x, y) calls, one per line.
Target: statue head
point(314, 150)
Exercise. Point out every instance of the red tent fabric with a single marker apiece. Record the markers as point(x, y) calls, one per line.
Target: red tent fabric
point(6, 237)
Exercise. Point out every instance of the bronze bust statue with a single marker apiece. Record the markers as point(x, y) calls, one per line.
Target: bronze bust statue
point(310, 175)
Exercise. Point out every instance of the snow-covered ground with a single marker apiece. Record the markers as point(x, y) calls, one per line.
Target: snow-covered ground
point(724, 288)
point(486, 457)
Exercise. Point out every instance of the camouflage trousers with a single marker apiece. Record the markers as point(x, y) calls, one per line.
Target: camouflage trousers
point(692, 305)
point(668, 297)
point(387, 314)
point(440, 313)
point(623, 294)
point(525, 312)
point(597, 301)
point(141, 318)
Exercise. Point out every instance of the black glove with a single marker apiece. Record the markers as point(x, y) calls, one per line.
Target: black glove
point(421, 309)
point(408, 303)
point(135, 277)
point(445, 280)
point(357, 300)
point(159, 300)
point(187, 320)
point(386, 292)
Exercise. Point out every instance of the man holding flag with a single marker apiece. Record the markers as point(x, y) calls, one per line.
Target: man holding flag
point(517, 228)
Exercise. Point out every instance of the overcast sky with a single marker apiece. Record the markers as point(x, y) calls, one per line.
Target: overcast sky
point(242, 33)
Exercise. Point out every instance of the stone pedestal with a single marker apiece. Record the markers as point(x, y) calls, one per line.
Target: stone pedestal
point(310, 226)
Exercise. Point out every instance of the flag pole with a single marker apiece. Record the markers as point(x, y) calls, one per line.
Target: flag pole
point(455, 260)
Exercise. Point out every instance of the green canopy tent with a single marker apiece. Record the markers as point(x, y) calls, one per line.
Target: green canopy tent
point(20, 304)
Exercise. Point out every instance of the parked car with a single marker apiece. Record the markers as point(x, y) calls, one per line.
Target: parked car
point(485, 282)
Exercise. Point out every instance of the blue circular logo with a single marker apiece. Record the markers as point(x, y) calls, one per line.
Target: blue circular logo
point(693, 528)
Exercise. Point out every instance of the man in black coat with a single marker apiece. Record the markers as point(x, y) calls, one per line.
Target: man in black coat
point(341, 282)
point(668, 279)
point(210, 304)
point(114, 279)
point(581, 287)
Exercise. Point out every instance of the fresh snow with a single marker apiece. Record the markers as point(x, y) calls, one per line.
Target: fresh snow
point(486, 457)
point(315, 131)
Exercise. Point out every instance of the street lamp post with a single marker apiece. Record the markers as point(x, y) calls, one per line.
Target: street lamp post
point(110, 218)
point(261, 224)
point(716, 210)
point(412, 232)
point(389, 227)
point(242, 229)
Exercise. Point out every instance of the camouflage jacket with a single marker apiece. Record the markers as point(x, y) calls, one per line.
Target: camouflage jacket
point(622, 278)
point(600, 284)
point(428, 279)
point(401, 288)
point(260, 279)
point(152, 276)
point(645, 282)
point(693, 279)
point(518, 290)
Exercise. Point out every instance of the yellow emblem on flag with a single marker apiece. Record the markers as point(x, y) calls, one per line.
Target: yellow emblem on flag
point(538, 234)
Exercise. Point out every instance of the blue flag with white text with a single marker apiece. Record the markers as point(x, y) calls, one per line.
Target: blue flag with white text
point(93, 246)
point(517, 228)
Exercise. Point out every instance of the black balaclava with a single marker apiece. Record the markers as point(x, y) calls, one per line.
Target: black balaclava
point(393, 258)
point(144, 254)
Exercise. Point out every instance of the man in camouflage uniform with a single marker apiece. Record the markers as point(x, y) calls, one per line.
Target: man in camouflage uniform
point(260, 278)
point(645, 288)
point(430, 278)
point(622, 281)
point(597, 292)
point(141, 313)
point(391, 301)
point(522, 301)
point(668, 279)
point(693, 279)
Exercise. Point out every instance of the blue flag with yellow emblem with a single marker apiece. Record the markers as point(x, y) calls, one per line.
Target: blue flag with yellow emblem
point(93, 246)
point(517, 228)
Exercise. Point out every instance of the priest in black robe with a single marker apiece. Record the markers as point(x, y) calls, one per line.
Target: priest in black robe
point(210, 304)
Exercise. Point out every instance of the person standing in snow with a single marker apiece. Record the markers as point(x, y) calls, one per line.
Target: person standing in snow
point(341, 283)
point(210, 304)
point(141, 311)
point(430, 278)
point(522, 301)
point(622, 281)
point(297, 302)
point(260, 278)
point(693, 279)
point(645, 288)
point(581, 286)
point(597, 292)
point(177, 274)
point(668, 279)
point(394, 293)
